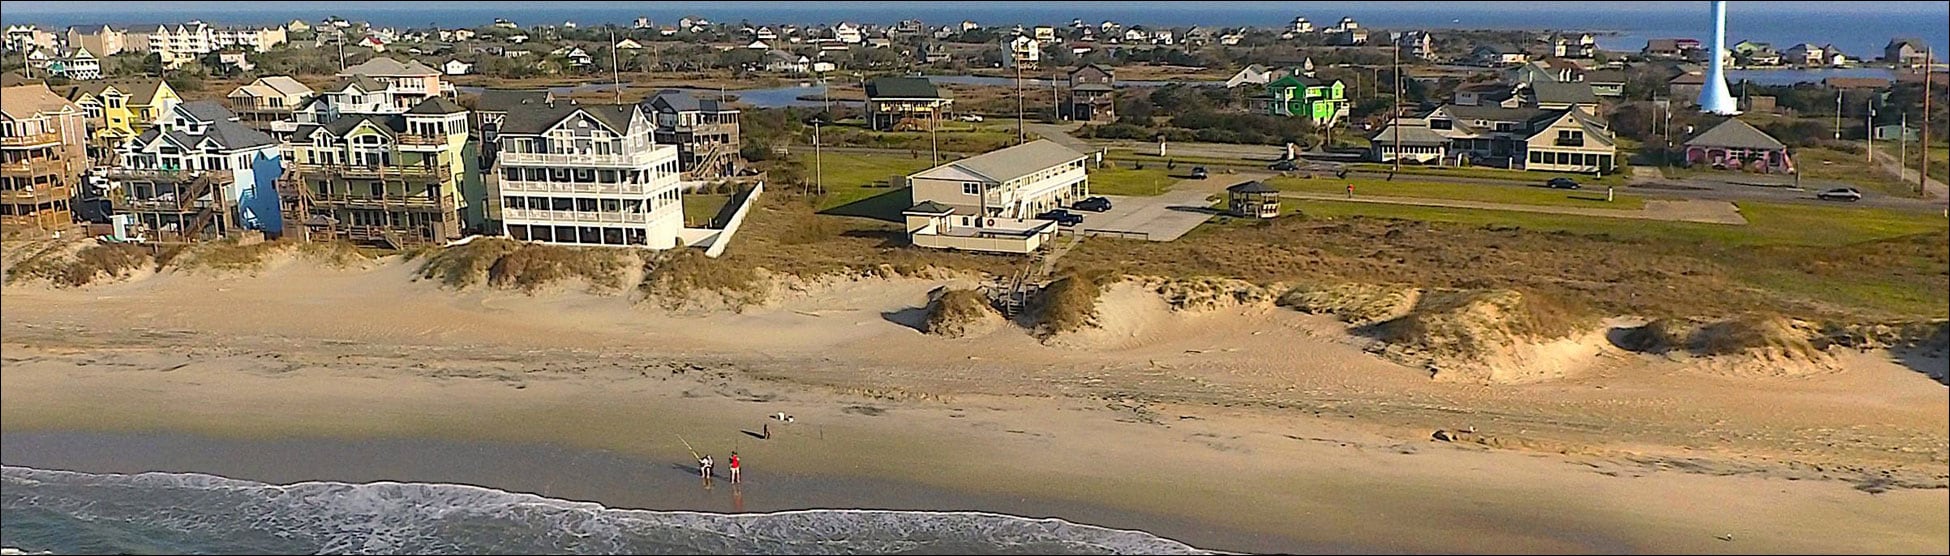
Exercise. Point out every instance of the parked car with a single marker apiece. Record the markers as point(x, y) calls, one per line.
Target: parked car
point(1093, 204)
point(1562, 183)
point(1840, 194)
point(1284, 166)
point(1062, 217)
point(1199, 173)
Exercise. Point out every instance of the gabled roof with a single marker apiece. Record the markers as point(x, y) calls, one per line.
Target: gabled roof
point(84, 89)
point(901, 87)
point(504, 100)
point(139, 90)
point(233, 135)
point(1563, 93)
point(1410, 135)
point(206, 111)
point(1911, 42)
point(930, 207)
point(435, 106)
point(538, 120)
point(284, 85)
point(364, 83)
point(388, 67)
point(1252, 187)
point(1492, 113)
point(683, 101)
point(23, 101)
point(1688, 79)
point(1014, 162)
point(1734, 133)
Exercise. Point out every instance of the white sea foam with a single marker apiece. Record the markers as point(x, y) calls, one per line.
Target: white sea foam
point(200, 512)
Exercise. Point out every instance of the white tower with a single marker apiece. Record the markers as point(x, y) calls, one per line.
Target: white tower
point(1714, 97)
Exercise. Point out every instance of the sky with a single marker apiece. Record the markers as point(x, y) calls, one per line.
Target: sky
point(350, 8)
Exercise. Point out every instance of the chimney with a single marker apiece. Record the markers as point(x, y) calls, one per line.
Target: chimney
point(1714, 96)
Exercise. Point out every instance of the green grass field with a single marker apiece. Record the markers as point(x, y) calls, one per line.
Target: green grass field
point(1850, 168)
point(1126, 181)
point(851, 177)
point(1767, 223)
point(1584, 198)
point(1479, 172)
point(700, 207)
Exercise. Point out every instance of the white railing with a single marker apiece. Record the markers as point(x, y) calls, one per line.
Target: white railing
point(523, 186)
point(628, 160)
point(569, 216)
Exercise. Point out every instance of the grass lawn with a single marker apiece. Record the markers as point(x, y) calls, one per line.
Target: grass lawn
point(699, 208)
point(851, 177)
point(1586, 198)
point(1613, 179)
point(1768, 224)
point(1851, 168)
point(1939, 162)
point(1151, 158)
point(1152, 180)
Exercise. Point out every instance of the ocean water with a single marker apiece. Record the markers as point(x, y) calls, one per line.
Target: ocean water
point(66, 512)
point(1859, 32)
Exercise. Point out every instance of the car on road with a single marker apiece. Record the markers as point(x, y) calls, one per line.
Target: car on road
point(1093, 204)
point(1062, 217)
point(1840, 194)
point(1284, 166)
point(1562, 183)
point(970, 117)
point(1199, 173)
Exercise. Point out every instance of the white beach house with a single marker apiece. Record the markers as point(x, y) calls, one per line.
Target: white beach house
point(588, 174)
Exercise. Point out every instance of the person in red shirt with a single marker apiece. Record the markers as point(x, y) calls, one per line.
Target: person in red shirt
point(734, 467)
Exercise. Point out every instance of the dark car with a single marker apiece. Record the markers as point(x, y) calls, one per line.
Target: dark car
point(1062, 217)
point(1562, 183)
point(1093, 204)
point(1199, 173)
point(1284, 166)
point(1840, 194)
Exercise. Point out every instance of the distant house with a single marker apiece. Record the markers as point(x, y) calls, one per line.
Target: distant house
point(1494, 55)
point(1090, 94)
point(758, 45)
point(1351, 37)
point(1685, 88)
point(1417, 44)
point(456, 67)
point(786, 62)
point(1557, 96)
point(1905, 52)
point(1251, 75)
point(1893, 132)
point(1488, 94)
point(628, 44)
point(1410, 140)
point(1735, 145)
point(1562, 140)
point(1606, 82)
point(823, 67)
point(1322, 101)
point(1670, 48)
point(898, 103)
point(1805, 54)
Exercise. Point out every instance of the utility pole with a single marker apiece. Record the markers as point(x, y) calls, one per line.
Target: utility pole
point(1869, 129)
point(615, 73)
point(1923, 141)
point(1838, 114)
point(1022, 135)
point(819, 171)
point(1398, 108)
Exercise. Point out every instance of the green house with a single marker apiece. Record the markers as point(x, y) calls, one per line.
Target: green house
point(1294, 95)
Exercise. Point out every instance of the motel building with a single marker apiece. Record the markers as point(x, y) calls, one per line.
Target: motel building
point(988, 202)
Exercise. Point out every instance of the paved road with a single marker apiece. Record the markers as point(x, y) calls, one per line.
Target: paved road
point(1938, 192)
point(1060, 134)
point(1163, 217)
point(1685, 210)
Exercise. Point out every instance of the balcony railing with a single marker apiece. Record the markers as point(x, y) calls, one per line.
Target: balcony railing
point(422, 140)
point(37, 194)
point(373, 171)
point(539, 215)
point(521, 186)
point(629, 160)
point(411, 202)
point(34, 166)
point(30, 140)
point(163, 175)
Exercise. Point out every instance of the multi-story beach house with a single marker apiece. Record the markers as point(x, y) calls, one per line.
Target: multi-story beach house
point(1090, 94)
point(704, 130)
point(1905, 52)
point(79, 65)
point(989, 202)
point(270, 105)
point(1325, 102)
point(23, 38)
point(403, 84)
point(42, 142)
point(186, 42)
point(110, 121)
point(589, 174)
point(1557, 140)
point(905, 103)
point(198, 174)
point(392, 178)
point(149, 101)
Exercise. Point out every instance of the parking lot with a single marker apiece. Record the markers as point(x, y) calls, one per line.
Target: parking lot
point(1163, 217)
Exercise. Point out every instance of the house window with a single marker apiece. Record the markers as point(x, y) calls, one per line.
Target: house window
point(970, 188)
point(1441, 124)
point(1536, 157)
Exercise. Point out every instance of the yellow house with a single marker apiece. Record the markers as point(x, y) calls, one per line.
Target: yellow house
point(388, 178)
point(110, 121)
point(149, 101)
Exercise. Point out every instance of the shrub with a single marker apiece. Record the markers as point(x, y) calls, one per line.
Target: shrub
point(956, 313)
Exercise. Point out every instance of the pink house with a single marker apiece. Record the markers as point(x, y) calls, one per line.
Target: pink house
point(1734, 145)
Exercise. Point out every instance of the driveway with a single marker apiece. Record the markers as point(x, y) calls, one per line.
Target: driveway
point(1163, 217)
